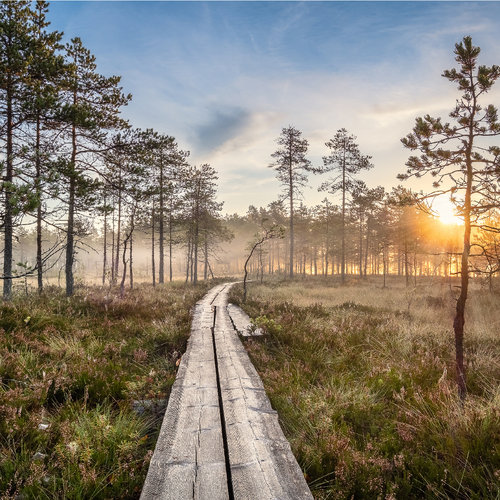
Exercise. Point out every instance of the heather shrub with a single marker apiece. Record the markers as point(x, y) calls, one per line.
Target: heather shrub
point(362, 379)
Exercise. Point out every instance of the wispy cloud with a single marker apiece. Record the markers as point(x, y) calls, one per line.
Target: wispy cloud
point(223, 125)
point(225, 77)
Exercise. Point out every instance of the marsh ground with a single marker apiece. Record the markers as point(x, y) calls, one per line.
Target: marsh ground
point(363, 379)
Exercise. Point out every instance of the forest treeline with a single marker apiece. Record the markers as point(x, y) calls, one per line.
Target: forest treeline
point(72, 165)
point(81, 184)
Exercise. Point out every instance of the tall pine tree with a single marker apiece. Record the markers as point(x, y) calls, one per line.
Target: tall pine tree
point(291, 165)
point(16, 24)
point(91, 109)
point(463, 162)
point(346, 160)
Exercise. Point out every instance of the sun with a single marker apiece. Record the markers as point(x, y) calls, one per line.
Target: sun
point(446, 212)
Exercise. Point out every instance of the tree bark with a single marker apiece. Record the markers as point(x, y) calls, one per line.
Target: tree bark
point(161, 229)
point(360, 246)
point(459, 320)
point(205, 249)
point(38, 189)
point(170, 245)
point(118, 223)
point(130, 262)
point(290, 173)
point(105, 243)
point(343, 219)
point(9, 178)
point(70, 243)
point(153, 270)
point(113, 274)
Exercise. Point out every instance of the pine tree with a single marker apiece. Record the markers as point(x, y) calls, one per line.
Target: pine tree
point(462, 161)
point(16, 21)
point(291, 166)
point(91, 109)
point(346, 160)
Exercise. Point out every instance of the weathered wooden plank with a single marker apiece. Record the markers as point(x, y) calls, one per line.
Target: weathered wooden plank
point(261, 460)
point(188, 461)
point(242, 322)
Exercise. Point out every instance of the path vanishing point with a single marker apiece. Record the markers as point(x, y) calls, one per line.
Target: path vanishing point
point(220, 437)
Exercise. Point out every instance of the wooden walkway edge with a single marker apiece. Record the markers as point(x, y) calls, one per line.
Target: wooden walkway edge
point(220, 437)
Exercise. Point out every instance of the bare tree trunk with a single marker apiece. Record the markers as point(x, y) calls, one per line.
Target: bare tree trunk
point(105, 244)
point(188, 257)
point(205, 269)
point(415, 269)
point(153, 269)
point(261, 265)
point(128, 237)
point(459, 321)
point(196, 234)
point(113, 274)
point(38, 189)
point(367, 248)
point(384, 259)
point(119, 222)
point(327, 249)
point(195, 254)
point(130, 262)
point(407, 275)
point(270, 257)
point(170, 244)
point(124, 260)
point(343, 219)
point(70, 243)
point(8, 179)
point(290, 174)
point(161, 229)
point(360, 246)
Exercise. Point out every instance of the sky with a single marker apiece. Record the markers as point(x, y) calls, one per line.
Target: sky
point(224, 78)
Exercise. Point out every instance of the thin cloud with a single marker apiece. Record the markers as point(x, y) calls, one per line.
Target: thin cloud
point(223, 125)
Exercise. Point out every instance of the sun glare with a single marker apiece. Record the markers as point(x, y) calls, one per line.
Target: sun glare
point(446, 213)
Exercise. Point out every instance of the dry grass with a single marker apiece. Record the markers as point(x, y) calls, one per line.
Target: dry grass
point(362, 377)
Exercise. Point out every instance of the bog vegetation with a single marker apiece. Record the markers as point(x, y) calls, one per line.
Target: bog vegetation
point(83, 388)
point(362, 378)
point(86, 196)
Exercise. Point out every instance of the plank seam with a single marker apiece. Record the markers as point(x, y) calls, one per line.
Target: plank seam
point(232, 321)
point(222, 417)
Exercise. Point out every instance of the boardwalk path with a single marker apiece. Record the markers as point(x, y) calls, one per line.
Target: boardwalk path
point(220, 438)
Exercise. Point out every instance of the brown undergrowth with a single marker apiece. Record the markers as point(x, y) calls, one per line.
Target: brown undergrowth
point(82, 385)
point(362, 378)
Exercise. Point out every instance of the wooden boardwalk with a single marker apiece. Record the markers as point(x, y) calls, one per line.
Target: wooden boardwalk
point(220, 437)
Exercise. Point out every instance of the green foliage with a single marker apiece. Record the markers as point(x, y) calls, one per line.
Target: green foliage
point(70, 371)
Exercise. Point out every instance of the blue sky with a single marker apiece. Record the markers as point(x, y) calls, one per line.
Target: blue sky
point(225, 77)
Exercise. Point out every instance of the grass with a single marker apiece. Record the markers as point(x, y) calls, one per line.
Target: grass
point(363, 380)
point(70, 371)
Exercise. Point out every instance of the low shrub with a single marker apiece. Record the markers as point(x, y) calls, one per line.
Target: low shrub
point(363, 384)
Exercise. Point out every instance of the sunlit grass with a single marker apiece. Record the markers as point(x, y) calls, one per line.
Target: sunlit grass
point(363, 380)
